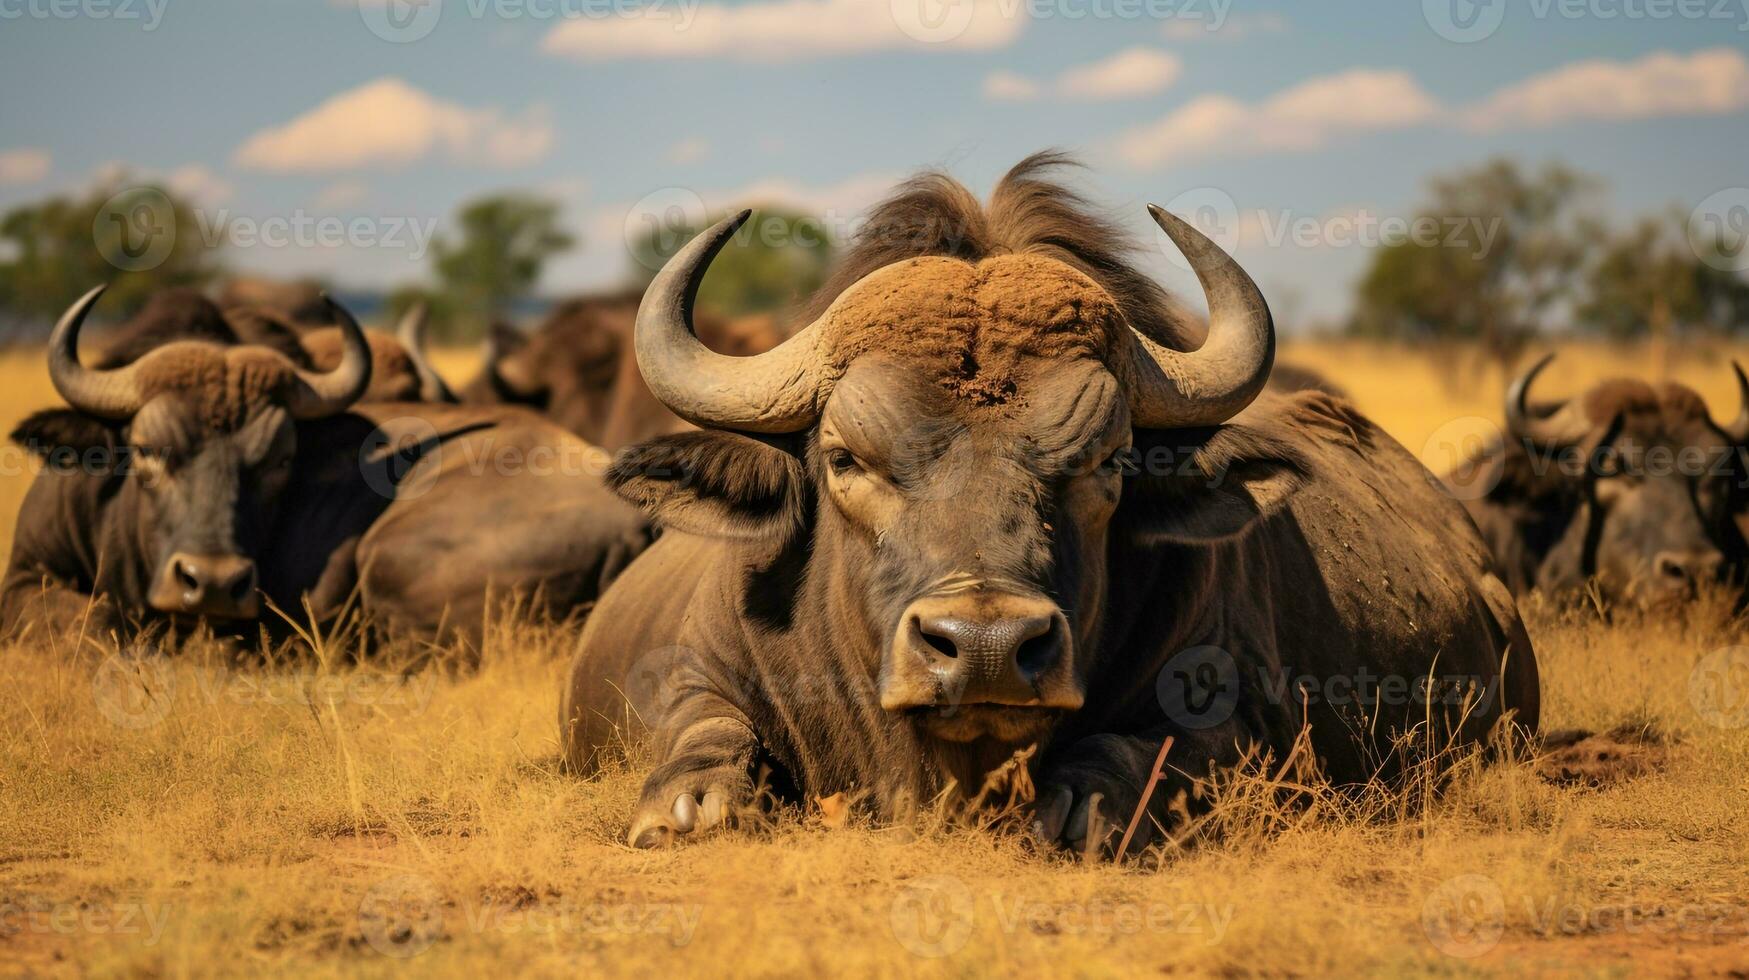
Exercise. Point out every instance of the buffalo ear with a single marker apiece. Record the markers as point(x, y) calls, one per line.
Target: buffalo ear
point(57, 433)
point(716, 484)
point(1211, 490)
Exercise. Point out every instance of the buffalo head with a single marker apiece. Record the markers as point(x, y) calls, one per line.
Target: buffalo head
point(204, 436)
point(955, 434)
point(1649, 484)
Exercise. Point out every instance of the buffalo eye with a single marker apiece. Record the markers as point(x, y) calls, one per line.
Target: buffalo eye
point(1121, 461)
point(842, 461)
point(154, 458)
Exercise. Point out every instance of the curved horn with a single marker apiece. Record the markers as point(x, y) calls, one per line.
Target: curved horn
point(770, 392)
point(106, 394)
point(1182, 389)
point(1739, 428)
point(411, 333)
point(318, 394)
point(1566, 426)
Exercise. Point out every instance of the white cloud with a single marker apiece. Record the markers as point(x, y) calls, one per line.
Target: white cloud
point(1190, 29)
point(689, 150)
point(341, 195)
point(1706, 83)
point(1303, 117)
point(199, 184)
point(1007, 86)
point(26, 165)
point(788, 30)
point(388, 123)
point(1127, 74)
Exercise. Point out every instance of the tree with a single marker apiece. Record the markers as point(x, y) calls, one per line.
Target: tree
point(1649, 280)
point(777, 258)
point(1496, 250)
point(504, 243)
point(135, 238)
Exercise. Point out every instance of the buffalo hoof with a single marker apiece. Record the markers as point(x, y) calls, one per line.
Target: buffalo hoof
point(1081, 823)
point(690, 813)
point(1088, 796)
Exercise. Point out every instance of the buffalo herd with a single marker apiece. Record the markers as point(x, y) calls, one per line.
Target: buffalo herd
point(996, 512)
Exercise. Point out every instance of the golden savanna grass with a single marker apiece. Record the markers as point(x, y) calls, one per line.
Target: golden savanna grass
point(189, 815)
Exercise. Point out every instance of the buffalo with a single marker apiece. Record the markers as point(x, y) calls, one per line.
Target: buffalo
point(400, 370)
point(1628, 491)
point(297, 301)
point(989, 510)
point(203, 482)
point(578, 368)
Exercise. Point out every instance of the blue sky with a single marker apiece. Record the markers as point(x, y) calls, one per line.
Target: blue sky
point(1329, 115)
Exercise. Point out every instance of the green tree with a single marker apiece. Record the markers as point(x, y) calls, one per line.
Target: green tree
point(503, 243)
point(1507, 250)
point(1649, 280)
point(135, 238)
point(776, 259)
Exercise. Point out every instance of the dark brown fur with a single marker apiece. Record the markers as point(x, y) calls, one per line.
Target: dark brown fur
point(1540, 509)
point(579, 368)
point(169, 314)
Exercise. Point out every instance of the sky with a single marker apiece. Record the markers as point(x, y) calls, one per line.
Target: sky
point(339, 135)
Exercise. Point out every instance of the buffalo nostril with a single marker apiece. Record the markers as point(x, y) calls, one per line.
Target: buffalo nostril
point(1039, 653)
point(186, 576)
point(937, 636)
point(244, 585)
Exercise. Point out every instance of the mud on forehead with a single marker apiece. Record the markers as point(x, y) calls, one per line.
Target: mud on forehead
point(881, 407)
point(970, 327)
point(223, 386)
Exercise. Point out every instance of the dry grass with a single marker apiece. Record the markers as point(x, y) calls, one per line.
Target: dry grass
point(189, 816)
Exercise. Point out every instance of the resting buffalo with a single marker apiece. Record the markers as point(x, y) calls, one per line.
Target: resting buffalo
point(986, 500)
point(578, 368)
point(200, 479)
point(1630, 489)
point(399, 368)
point(299, 302)
point(402, 372)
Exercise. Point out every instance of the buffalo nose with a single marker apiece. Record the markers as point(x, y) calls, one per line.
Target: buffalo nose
point(1028, 643)
point(210, 585)
point(1687, 567)
point(980, 647)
